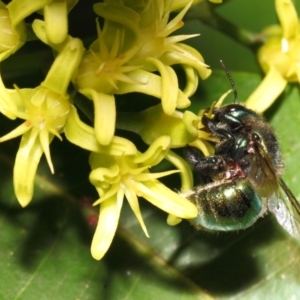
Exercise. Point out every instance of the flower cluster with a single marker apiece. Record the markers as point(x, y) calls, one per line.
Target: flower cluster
point(133, 43)
point(136, 50)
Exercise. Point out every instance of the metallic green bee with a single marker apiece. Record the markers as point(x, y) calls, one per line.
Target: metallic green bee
point(242, 180)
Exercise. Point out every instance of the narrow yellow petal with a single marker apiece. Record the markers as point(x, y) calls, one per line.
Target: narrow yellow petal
point(191, 122)
point(288, 18)
point(151, 176)
point(105, 115)
point(192, 80)
point(165, 199)
point(7, 100)
point(178, 38)
point(39, 28)
point(177, 22)
point(186, 175)
point(150, 84)
point(27, 160)
point(155, 153)
point(106, 228)
point(79, 133)
point(83, 136)
point(20, 130)
point(64, 67)
point(110, 193)
point(121, 14)
point(45, 140)
point(20, 9)
point(134, 204)
point(267, 92)
point(178, 4)
point(103, 174)
point(170, 93)
point(169, 85)
point(55, 14)
point(186, 55)
point(55, 133)
point(220, 101)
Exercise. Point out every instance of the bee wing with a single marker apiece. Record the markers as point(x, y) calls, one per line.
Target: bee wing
point(286, 208)
point(263, 171)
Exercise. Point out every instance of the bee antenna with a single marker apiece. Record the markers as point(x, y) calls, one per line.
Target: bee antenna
point(231, 81)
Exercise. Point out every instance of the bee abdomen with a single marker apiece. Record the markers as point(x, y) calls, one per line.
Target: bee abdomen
point(226, 206)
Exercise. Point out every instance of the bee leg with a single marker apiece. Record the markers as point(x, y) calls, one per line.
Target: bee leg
point(222, 133)
point(193, 155)
point(206, 167)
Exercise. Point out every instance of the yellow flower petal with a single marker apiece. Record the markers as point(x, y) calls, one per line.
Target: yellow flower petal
point(99, 175)
point(121, 14)
point(191, 122)
point(20, 130)
point(267, 92)
point(150, 84)
point(153, 123)
point(178, 4)
point(192, 80)
point(155, 153)
point(187, 55)
point(105, 115)
point(83, 136)
point(151, 176)
point(165, 199)
point(134, 204)
point(55, 14)
point(27, 160)
point(106, 228)
point(20, 9)
point(113, 190)
point(64, 67)
point(45, 139)
point(186, 175)
point(288, 18)
point(169, 85)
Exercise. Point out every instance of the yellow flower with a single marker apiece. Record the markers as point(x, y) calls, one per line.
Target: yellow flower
point(279, 57)
point(133, 43)
point(117, 176)
point(119, 170)
point(158, 50)
point(44, 110)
